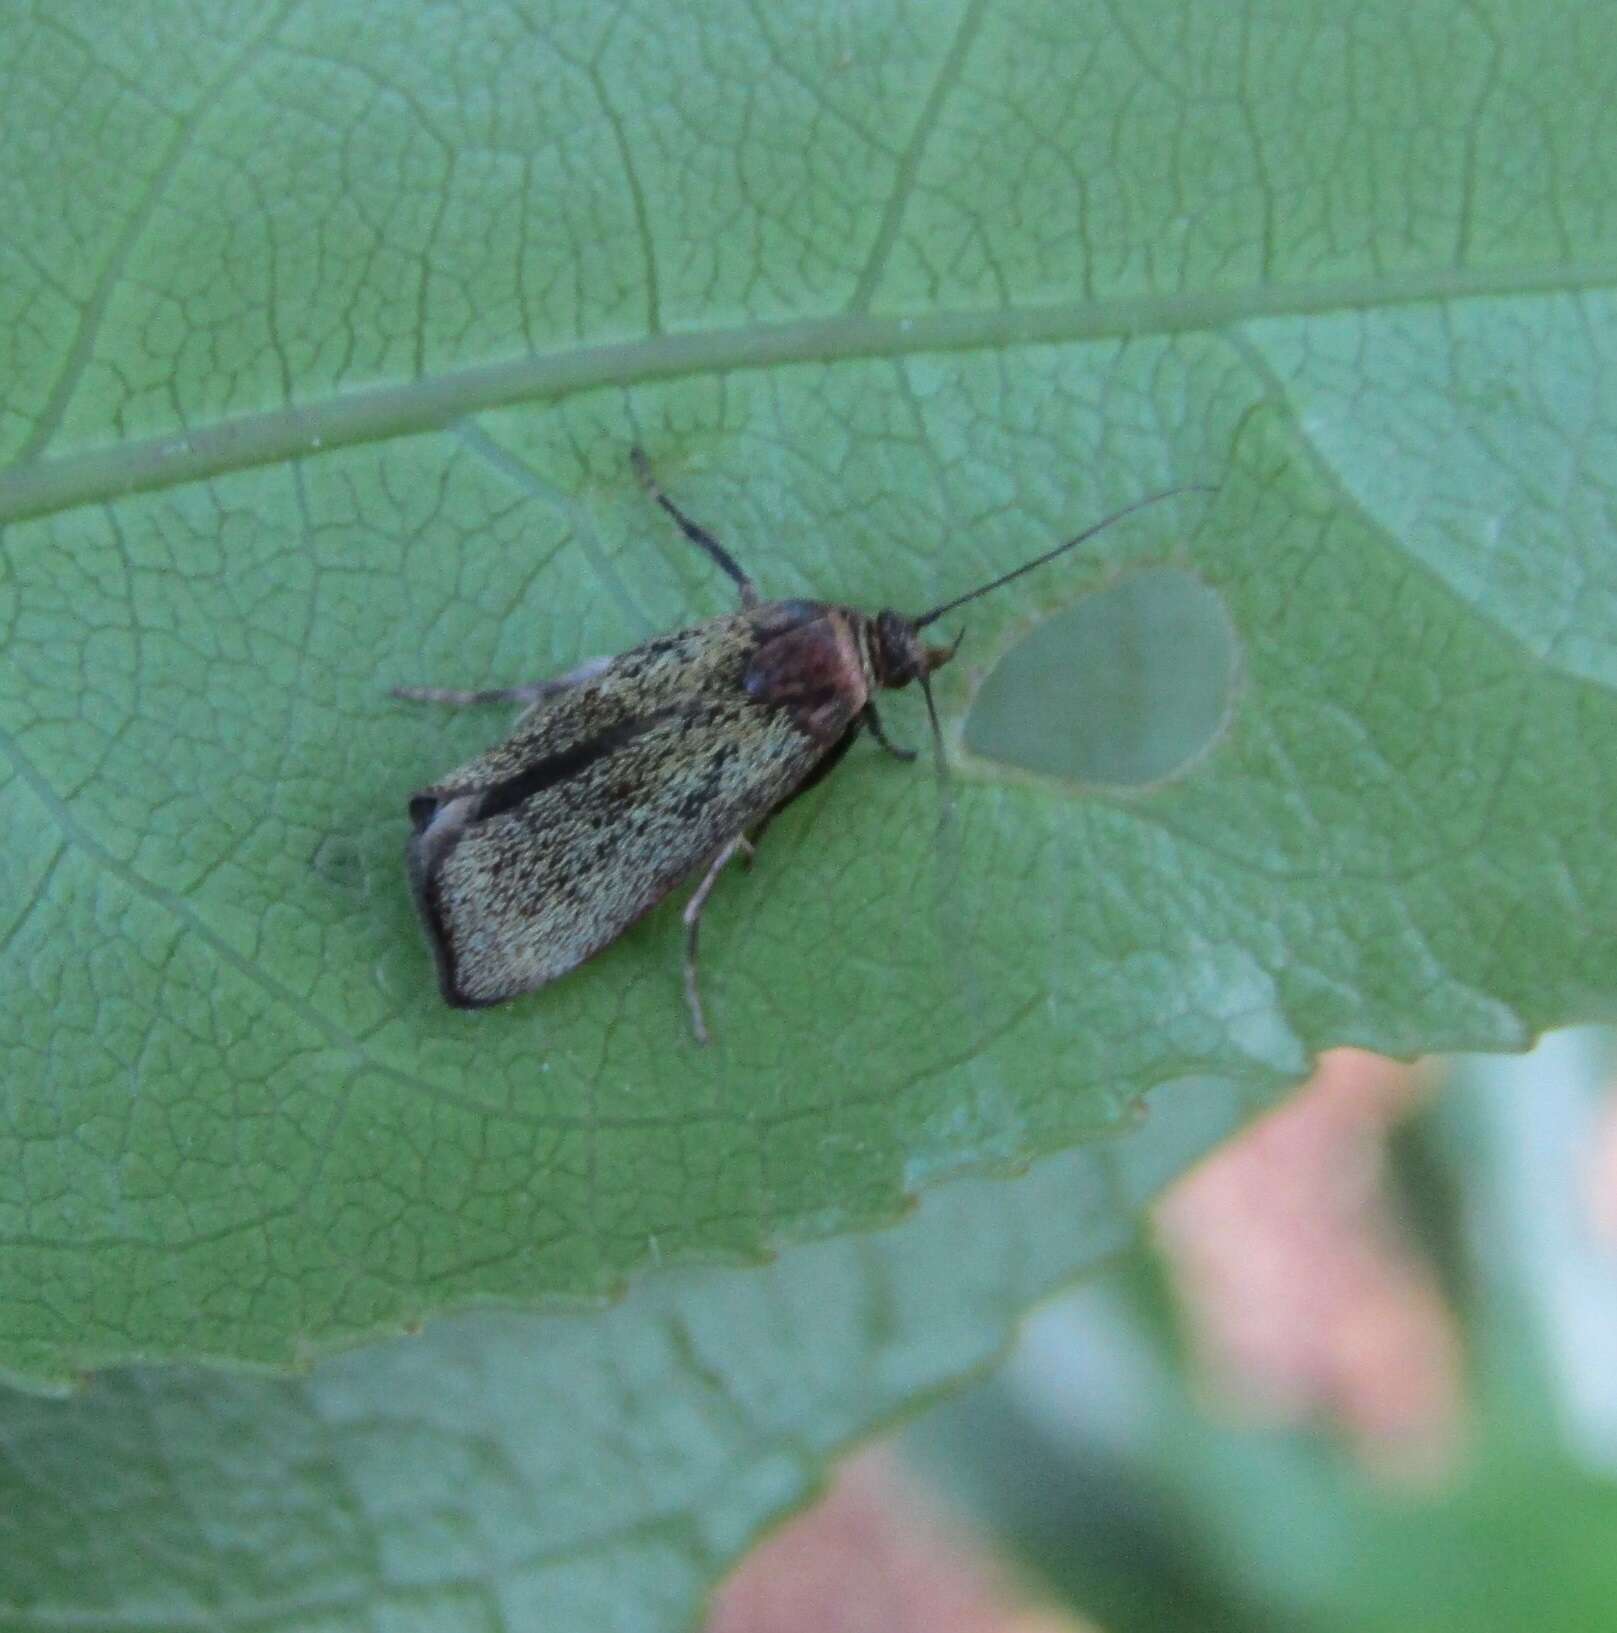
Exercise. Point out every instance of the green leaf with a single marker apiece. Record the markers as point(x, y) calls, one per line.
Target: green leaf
point(324, 332)
point(513, 1470)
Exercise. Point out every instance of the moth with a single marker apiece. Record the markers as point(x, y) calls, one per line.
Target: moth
point(629, 774)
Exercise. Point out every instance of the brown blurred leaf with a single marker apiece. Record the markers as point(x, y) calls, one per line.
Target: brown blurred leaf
point(875, 1555)
point(1302, 1297)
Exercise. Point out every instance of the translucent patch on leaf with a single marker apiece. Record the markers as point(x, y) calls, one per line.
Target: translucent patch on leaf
point(1125, 689)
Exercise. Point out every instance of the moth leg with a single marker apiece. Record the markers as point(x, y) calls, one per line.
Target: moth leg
point(873, 721)
point(535, 691)
point(698, 535)
point(742, 846)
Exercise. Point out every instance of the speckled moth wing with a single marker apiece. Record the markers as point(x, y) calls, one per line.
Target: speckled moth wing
point(544, 849)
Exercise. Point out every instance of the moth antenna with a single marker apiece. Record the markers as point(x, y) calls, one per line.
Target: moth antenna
point(948, 903)
point(940, 758)
point(1050, 555)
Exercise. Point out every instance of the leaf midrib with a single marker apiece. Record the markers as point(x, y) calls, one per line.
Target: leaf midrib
point(376, 413)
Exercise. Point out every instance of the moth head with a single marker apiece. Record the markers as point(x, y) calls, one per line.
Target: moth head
point(900, 655)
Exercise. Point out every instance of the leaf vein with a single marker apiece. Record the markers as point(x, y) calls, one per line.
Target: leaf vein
point(94, 308)
point(376, 413)
point(909, 161)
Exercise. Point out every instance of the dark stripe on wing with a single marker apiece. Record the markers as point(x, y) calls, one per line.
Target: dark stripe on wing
point(559, 768)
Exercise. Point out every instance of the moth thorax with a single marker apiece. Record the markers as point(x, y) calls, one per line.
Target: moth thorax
point(898, 655)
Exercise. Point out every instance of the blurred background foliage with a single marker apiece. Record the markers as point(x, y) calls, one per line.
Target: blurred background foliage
point(1362, 1374)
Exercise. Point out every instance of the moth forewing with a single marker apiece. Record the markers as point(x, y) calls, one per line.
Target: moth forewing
point(541, 851)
